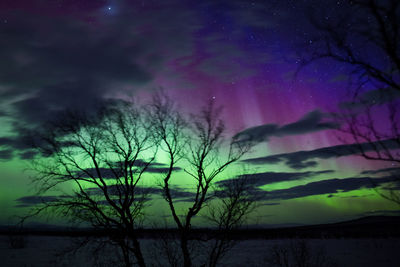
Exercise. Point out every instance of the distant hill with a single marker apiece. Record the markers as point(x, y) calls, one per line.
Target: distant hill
point(365, 227)
point(370, 226)
point(372, 220)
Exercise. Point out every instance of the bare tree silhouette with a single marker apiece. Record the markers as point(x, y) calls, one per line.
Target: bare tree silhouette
point(200, 147)
point(375, 129)
point(98, 161)
point(365, 36)
point(236, 200)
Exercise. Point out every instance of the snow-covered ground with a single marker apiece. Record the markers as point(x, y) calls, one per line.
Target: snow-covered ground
point(48, 251)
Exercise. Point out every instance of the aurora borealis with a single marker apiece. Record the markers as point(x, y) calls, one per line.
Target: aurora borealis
point(243, 55)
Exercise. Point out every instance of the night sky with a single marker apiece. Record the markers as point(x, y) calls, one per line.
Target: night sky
point(243, 55)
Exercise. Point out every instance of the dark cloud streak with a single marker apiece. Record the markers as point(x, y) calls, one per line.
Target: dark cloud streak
point(309, 123)
point(6, 154)
point(29, 201)
point(51, 64)
point(265, 178)
point(304, 159)
point(330, 186)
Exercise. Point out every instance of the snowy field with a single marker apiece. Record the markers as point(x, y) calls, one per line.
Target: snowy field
point(44, 251)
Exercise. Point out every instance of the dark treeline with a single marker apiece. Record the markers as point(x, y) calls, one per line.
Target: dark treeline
point(367, 227)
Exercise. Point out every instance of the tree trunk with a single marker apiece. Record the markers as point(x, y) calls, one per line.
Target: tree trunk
point(125, 253)
point(187, 262)
point(138, 253)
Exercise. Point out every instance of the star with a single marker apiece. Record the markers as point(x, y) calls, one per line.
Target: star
point(109, 8)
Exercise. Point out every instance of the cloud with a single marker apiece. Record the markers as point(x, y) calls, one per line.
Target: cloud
point(264, 178)
point(371, 98)
point(6, 141)
point(154, 167)
point(380, 213)
point(177, 193)
point(61, 62)
point(29, 201)
point(6, 154)
point(330, 186)
point(304, 159)
point(21, 143)
point(109, 173)
point(311, 122)
point(379, 171)
point(54, 63)
point(224, 60)
point(27, 155)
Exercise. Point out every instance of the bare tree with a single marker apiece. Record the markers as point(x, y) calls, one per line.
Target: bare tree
point(199, 145)
point(365, 37)
point(236, 199)
point(299, 253)
point(374, 128)
point(98, 162)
